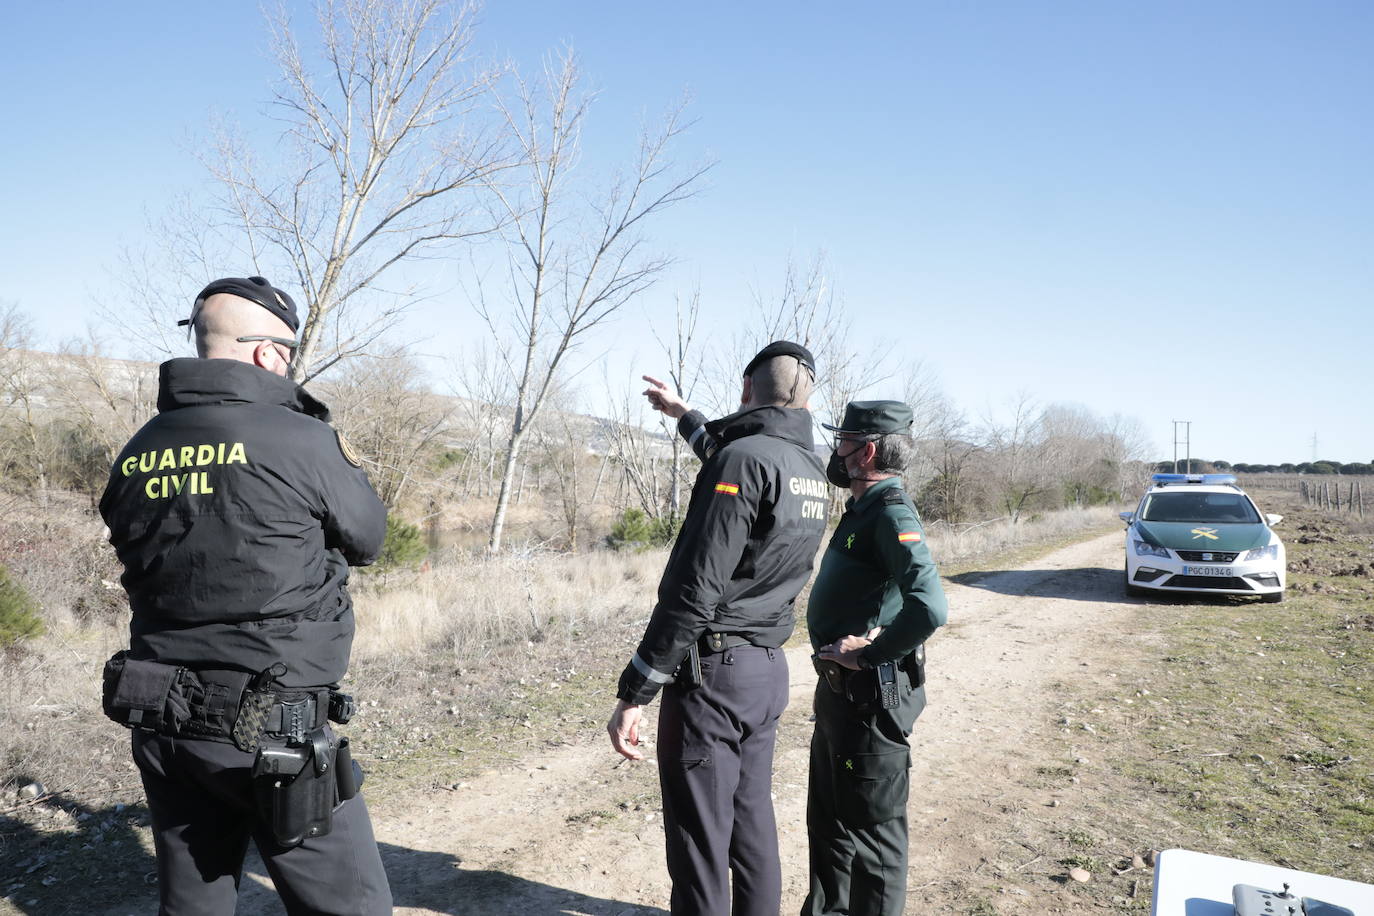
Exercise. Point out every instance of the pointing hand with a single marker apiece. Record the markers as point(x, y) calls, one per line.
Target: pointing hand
point(661, 398)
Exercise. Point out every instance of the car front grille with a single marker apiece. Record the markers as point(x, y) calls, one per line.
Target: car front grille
point(1230, 583)
point(1208, 556)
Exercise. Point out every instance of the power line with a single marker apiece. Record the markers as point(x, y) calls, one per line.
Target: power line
point(1186, 442)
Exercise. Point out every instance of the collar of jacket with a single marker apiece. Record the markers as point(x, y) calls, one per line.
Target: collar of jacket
point(790, 423)
point(872, 492)
point(223, 382)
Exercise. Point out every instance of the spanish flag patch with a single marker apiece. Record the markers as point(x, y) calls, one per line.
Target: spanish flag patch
point(905, 536)
point(731, 488)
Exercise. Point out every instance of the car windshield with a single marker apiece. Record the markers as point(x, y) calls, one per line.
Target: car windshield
point(1218, 508)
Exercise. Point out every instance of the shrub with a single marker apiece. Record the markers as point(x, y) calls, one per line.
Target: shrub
point(636, 531)
point(19, 618)
point(404, 546)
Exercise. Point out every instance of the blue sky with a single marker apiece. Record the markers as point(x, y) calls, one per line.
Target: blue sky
point(1156, 209)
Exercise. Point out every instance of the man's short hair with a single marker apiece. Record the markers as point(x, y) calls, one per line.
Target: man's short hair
point(893, 453)
point(782, 381)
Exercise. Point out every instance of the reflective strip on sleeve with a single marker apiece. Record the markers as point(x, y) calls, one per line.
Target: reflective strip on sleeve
point(657, 677)
point(909, 536)
point(731, 488)
point(696, 434)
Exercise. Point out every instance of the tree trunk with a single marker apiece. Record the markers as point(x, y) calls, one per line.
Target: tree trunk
point(498, 518)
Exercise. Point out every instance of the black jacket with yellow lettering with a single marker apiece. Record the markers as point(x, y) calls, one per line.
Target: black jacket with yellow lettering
point(236, 512)
point(747, 545)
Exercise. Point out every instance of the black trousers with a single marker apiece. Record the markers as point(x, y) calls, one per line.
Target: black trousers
point(200, 795)
point(715, 755)
point(856, 805)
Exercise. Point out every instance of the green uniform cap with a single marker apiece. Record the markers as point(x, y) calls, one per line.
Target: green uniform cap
point(874, 418)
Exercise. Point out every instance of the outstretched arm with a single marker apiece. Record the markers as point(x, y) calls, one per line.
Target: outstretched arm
point(691, 424)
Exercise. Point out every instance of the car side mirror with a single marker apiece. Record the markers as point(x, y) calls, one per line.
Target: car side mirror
point(1273, 519)
point(1126, 517)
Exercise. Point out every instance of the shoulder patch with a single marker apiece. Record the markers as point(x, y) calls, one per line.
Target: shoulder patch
point(893, 497)
point(350, 455)
point(731, 488)
point(908, 536)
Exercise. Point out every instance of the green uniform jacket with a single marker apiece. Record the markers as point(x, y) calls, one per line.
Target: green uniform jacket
point(878, 571)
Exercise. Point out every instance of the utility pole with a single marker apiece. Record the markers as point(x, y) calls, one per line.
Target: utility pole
point(1185, 442)
point(1314, 446)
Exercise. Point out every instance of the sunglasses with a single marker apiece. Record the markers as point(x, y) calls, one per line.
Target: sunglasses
point(288, 344)
point(841, 438)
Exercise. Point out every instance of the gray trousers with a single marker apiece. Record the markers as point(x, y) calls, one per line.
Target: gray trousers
point(856, 805)
point(200, 795)
point(715, 755)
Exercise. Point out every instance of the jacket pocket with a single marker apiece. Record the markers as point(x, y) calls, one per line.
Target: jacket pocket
point(871, 788)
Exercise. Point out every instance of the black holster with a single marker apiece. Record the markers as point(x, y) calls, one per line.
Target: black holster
point(295, 787)
point(688, 674)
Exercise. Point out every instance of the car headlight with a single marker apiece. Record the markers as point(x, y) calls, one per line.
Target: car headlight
point(1149, 550)
point(1263, 553)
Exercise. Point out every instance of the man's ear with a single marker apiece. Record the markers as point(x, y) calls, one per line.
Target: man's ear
point(870, 453)
point(265, 356)
point(747, 393)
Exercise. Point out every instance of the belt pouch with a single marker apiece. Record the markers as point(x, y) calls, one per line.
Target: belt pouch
point(861, 687)
point(832, 672)
point(347, 773)
point(297, 806)
point(688, 674)
point(915, 666)
point(141, 694)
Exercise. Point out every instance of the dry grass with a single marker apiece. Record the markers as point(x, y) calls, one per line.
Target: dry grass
point(957, 543)
point(467, 605)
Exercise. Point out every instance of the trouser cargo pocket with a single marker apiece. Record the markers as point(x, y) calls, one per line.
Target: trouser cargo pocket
point(871, 788)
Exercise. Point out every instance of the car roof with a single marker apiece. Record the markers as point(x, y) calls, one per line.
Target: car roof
point(1195, 488)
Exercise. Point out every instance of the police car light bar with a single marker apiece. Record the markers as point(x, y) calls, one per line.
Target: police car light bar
point(1210, 479)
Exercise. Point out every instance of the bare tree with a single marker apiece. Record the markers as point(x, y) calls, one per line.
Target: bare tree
point(389, 414)
point(565, 453)
point(807, 309)
point(1126, 448)
point(639, 454)
point(575, 257)
point(26, 448)
point(950, 445)
point(1019, 455)
point(685, 370)
point(385, 163)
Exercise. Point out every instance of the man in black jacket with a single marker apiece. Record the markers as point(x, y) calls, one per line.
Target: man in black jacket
point(725, 607)
point(236, 512)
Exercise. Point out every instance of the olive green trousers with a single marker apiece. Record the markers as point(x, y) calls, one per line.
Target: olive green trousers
point(856, 805)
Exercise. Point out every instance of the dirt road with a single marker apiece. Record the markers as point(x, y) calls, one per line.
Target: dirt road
point(578, 831)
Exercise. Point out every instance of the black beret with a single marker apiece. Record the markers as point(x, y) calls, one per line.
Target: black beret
point(254, 289)
point(874, 418)
point(782, 348)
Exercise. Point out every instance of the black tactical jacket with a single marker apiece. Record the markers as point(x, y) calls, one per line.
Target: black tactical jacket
point(753, 526)
point(236, 514)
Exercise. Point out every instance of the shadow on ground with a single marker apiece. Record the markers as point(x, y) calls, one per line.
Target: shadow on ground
point(58, 855)
point(89, 860)
point(1083, 584)
point(438, 882)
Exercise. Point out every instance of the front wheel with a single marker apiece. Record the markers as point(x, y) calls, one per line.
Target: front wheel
point(1272, 598)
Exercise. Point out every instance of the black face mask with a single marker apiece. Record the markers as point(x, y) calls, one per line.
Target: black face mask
point(836, 472)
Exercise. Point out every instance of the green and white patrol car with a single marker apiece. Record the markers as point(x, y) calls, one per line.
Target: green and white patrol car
point(1202, 533)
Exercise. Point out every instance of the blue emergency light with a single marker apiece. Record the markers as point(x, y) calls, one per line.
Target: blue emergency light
point(1209, 479)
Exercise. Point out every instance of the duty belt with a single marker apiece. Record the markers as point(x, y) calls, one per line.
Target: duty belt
point(245, 714)
point(715, 643)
